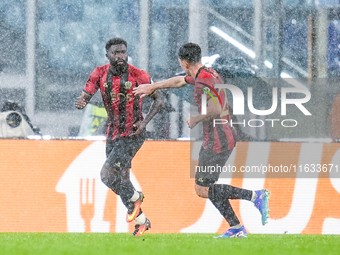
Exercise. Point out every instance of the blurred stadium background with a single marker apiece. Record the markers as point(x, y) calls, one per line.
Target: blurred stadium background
point(49, 48)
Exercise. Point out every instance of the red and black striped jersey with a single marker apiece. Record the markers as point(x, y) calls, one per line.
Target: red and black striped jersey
point(221, 137)
point(123, 108)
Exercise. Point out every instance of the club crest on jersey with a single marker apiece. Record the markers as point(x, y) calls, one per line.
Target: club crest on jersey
point(105, 85)
point(128, 85)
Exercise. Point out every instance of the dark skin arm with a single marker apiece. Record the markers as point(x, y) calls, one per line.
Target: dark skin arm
point(156, 105)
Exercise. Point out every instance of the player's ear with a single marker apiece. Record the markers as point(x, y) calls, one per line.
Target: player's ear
point(183, 63)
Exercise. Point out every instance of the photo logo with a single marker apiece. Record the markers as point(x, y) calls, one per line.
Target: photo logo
point(239, 101)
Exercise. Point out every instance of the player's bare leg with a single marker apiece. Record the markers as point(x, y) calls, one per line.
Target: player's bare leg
point(201, 191)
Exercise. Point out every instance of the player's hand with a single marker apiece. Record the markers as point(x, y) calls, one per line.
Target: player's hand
point(139, 126)
point(192, 122)
point(143, 90)
point(80, 102)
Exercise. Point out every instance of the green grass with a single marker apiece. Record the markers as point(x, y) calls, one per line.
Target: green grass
point(71, 243)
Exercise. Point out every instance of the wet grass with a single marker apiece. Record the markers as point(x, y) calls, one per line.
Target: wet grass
point(98, 243)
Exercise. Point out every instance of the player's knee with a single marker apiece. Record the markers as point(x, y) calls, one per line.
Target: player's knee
point(109, 176)
point(201, 191)
point(104, 174)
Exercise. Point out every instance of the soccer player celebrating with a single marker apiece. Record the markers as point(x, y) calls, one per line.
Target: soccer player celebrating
point(219, 140)
point(126, 125)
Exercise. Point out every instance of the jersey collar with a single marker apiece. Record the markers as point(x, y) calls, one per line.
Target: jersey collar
point(198, 72)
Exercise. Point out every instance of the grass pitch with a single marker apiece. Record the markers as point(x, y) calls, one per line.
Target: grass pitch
point(71, 243)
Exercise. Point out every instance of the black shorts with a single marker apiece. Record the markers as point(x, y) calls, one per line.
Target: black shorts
point(209, 164)
point(121, 150)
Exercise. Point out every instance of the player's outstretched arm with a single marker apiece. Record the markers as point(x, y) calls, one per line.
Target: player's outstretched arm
point(147, 89)
point(83, 100)
point(212, 110)
point(155, 107)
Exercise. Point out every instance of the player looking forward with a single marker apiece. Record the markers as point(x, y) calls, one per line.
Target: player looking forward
point(219, 140)
point(126, 125)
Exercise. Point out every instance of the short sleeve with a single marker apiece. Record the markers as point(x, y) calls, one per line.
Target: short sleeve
point(93, 82)
point(144, 77)
point(189, 79)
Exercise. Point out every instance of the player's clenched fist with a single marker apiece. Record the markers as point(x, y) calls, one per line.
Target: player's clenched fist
point(82, 101)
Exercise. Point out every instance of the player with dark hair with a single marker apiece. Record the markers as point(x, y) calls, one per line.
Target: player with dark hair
point(126, 125)
point(219, 140)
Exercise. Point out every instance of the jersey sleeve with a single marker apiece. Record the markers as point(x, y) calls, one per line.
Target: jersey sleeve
point(189, 79)
point(207, 85)
point(93, 83)
point(144, 77)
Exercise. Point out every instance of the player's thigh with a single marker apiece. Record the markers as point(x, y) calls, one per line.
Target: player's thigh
point(133, 144)
point(121, 151)
point(209, 165)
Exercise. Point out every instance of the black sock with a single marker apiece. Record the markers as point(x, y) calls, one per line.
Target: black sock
point(223, 191)
point(126, 191)
point(219, 195)
point(224, 207)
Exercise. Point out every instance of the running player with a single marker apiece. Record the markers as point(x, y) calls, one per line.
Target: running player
point(219, 140)
point(126, 125)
